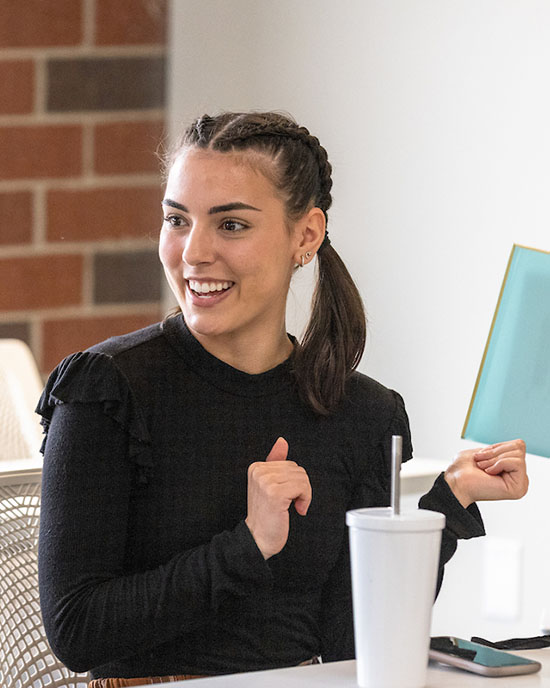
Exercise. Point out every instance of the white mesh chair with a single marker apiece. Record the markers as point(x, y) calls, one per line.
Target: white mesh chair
point(20, 387)
point(26, 660)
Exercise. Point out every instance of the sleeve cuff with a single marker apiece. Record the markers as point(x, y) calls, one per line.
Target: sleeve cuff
point(248, 555)
point(237, 567)
point(463, 523)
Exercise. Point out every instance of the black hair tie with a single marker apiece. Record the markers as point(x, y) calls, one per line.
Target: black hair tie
point(325, 242)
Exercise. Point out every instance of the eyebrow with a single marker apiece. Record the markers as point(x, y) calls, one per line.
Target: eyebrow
point(214, 209)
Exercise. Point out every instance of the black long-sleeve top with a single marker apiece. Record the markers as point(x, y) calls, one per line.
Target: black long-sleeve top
point(146, 566)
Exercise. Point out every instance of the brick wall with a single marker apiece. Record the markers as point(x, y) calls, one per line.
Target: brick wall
point(81, 114)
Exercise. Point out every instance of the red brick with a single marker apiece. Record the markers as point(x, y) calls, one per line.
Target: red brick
point(15, 217)
point(63, 337)
point(17, 79)
point(97, 214)
point(28, 23)
point(41, 151)
point(40, 282)
point(130, 22)
point(127, 147)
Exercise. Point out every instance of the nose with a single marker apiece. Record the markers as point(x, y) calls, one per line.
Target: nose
point(199, 246)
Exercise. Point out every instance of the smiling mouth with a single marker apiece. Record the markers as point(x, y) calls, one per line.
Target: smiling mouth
point(207, 290)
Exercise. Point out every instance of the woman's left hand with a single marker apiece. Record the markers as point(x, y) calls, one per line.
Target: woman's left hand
point(496, 472)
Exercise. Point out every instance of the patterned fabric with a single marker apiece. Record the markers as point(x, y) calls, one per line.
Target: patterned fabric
point(150, 680)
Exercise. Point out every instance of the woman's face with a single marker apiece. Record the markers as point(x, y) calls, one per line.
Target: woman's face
point(226, 251)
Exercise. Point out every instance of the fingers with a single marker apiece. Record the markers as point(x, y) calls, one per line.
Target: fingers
point(486, 457)
point(486, 463)
point(281, 491)
point(279, 451)
point(302, 502)
point(283, 483)
point(273, 485)
point(280, 480)
point(495, 472)
point(516, 446)
point(501, 457)
point(508, 464)
point(283, 474)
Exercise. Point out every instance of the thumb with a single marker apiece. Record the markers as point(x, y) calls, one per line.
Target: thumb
point(279, 451)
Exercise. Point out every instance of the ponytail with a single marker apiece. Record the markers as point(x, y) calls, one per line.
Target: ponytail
point(334, 340)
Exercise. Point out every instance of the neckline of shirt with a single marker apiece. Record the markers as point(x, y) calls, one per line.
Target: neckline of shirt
point(221, 374)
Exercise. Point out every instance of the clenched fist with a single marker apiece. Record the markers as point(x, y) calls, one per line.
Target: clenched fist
point(496, 472)
point(273, 485)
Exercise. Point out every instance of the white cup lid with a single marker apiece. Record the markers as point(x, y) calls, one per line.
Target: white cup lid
point(383, 518)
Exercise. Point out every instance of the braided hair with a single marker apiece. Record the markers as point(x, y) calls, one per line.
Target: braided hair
point(298, 166)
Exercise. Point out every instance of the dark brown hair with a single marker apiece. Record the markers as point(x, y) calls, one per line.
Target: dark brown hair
point(298, 166)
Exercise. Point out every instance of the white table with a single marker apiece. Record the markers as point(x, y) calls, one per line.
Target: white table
point(342, 675)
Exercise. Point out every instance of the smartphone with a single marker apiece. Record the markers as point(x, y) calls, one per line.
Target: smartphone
point(479, 659)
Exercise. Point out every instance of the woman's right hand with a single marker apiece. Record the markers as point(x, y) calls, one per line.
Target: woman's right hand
point(273, 485)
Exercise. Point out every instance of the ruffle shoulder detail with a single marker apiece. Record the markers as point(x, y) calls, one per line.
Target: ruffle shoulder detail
point(89, 377)
point(399, 425)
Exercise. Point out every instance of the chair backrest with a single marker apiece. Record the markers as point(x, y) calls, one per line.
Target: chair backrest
point(20, 387)
point(26, 660)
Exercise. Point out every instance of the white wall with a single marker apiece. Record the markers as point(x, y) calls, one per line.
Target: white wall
point(435, 115)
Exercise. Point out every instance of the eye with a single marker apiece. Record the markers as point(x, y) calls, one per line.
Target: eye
point(233, 226)
point(174, 221)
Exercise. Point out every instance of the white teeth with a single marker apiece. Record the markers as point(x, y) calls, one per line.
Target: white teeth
point(206, 287)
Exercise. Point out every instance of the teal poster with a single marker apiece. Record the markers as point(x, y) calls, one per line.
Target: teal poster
point(511, 398)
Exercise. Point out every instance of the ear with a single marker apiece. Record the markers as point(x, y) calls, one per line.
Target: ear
point(309, 233)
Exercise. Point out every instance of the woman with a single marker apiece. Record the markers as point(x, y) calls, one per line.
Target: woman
point(197, 472)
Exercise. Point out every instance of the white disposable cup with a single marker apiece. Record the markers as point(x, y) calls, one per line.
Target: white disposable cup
point(394, 563)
